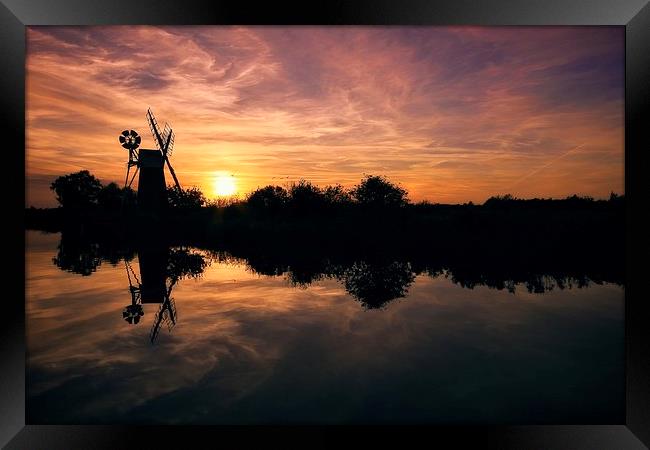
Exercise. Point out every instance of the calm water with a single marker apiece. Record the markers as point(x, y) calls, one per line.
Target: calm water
point(357, 343)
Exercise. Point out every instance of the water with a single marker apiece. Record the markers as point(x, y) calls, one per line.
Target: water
point(357, 343)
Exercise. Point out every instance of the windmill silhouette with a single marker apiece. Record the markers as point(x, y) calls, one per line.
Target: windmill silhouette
point(150, 164)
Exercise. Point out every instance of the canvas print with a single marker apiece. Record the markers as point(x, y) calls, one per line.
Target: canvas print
point(324, 225)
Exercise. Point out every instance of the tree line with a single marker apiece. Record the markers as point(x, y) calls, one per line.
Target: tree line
point(374, 219)
point(83, 191)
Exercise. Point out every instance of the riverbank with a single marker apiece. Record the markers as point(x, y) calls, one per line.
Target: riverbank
point(510, 238)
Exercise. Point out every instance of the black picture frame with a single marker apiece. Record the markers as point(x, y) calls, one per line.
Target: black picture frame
point(634, 15)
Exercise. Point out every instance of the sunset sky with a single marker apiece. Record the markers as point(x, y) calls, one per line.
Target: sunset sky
point(453, 114)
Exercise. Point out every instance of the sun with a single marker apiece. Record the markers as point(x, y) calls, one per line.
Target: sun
point(225, 185)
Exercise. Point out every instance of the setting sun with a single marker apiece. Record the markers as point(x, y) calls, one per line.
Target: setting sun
point(346, 102)
point(225, 185)
point(254, 208)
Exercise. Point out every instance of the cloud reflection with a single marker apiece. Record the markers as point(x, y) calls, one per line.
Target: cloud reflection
point(253, 348)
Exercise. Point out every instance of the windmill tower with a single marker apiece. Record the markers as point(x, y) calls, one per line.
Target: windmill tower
point(152, 193)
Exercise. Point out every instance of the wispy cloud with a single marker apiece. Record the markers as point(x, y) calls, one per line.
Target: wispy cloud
point(453, 113)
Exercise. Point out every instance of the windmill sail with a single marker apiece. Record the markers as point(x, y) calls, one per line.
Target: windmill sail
point(171, 170)
point(153, 125)
point(168, 135)
point(164, 142)
point(166, 315)
point(169, 146)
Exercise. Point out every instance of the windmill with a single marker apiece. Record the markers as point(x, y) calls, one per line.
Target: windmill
point(152, 194)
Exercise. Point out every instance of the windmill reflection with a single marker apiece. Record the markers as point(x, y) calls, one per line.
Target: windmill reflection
point(134, 311)
point(374, 281)
point(160, 269)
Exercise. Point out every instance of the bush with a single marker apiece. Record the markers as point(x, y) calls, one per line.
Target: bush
point(336, 195)
point(378, 192)
point(191, 198)
point(268, 197)
point(77, 190)
point(304, 196)
point(113, 198)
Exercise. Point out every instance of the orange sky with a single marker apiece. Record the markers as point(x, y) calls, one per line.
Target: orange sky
point(451, 113)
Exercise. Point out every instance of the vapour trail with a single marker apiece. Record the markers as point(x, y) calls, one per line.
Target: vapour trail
point(545, 166)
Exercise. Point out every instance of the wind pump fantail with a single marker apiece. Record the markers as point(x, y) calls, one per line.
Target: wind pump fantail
point(152, 194)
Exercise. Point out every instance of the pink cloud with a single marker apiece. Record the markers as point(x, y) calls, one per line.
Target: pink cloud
point(454, 114)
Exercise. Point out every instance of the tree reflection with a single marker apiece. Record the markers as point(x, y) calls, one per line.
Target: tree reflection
point(77, 256)
point(82, 254)
point(371, 279)
point(183, 263)
point(376, 284)
point(533, 282)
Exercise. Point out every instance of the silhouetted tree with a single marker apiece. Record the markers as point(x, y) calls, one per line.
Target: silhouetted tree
point(191, 198)
point(223, 202)
point(129, 197)
point(268, 197)
point(336, 195)
point(499, 200)
point(616, 199)
point(377, 191)
point(77, 190)
point(579, 199)
point(304, 196)
point(113, 198)
point(110, 197)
